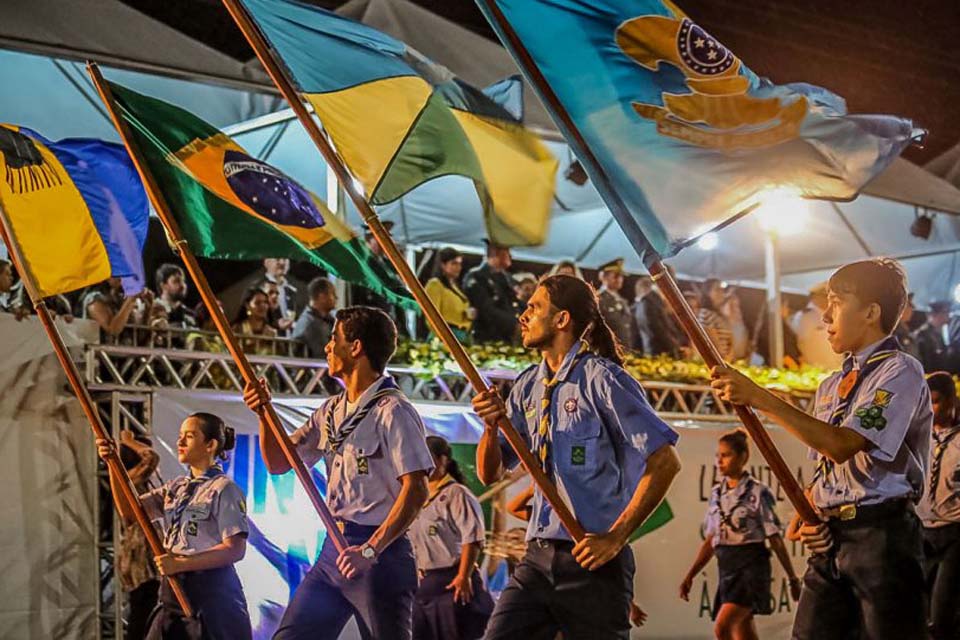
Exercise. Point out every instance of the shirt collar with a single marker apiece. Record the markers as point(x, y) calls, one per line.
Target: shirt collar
point(742, 485)
point(566, 366)
point(860, 357)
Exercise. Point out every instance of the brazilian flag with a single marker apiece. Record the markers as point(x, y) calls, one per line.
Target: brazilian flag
point(229, 205)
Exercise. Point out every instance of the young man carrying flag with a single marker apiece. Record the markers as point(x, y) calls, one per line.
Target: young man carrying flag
point(870, 431)
point(611, 456)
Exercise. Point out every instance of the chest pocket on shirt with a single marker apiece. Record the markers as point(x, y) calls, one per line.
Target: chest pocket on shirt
point(576, 436)
point(361, 450)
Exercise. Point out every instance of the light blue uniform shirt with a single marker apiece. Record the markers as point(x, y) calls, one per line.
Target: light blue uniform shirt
point(216, 511)
point(744, 514)
point(894, 466)
point(363, 474)
point(603, 431)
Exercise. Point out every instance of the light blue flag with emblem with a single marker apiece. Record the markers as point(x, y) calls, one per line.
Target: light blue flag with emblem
point(677, 134)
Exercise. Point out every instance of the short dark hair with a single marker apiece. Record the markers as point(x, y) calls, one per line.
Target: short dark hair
point(213, 428)
point(880, 281)
point(942, 382)
point(167, 271)
point(374, 329)
point(736, 440)
point(317, 286)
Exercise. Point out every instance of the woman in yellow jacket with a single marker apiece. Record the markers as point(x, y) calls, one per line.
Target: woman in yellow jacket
point(444, 291)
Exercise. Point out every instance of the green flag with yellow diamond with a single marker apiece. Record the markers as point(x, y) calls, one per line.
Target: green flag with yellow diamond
point(230, 205)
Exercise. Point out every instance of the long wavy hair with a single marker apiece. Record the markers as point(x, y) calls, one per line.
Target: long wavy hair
point(578, 298)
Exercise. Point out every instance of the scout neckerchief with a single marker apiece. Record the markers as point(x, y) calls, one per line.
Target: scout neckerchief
point(444, 482)
point(183, 499)
point(850, 380)
point(938, 450)
point(544, 432)
point(743, 487)
point(336, 436)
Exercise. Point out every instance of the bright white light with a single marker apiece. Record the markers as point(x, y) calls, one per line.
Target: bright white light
point(357, 186)
point(956, 293)
point(782, 211)
point(708, 241)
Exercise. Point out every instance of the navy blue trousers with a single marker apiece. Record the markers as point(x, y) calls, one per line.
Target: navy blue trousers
point(217, 599)
point(437, 617)
point(870, 585)
point(380, 599)
point(550, 592)
point(941, 548)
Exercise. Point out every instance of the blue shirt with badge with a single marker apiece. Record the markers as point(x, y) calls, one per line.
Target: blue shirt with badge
point(601, 432)
point(890, 407)
point(744, 514)
point(198, 513)
point(366, 449)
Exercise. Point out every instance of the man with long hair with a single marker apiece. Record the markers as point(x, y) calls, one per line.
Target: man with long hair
point(599, 440)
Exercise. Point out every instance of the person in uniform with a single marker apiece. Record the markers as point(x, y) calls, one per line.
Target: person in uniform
point(741, 517)
point(939, 511)
point(613, 306)
point(372, 442)
point(204, 522)
point(870, 432)
point(491, 293)
point(361, 296)
point(447, 537)
point(599, 440)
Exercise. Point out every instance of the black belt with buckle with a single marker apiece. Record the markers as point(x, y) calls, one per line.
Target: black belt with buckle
point(867, 513)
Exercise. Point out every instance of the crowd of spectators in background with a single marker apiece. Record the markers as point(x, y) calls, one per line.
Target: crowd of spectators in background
point(481, 305)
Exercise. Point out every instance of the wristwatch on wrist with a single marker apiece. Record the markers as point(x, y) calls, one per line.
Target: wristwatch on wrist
point(367, 552)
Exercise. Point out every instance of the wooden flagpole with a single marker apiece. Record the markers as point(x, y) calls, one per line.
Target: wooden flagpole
point(114, 465)
point(268, 413)
point(434, 319)
point(663, 278)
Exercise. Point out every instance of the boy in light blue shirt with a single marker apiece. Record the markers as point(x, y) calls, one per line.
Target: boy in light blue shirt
point(870, 432)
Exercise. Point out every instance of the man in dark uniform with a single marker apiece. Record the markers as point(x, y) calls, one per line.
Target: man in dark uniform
point(613, 306)
point(656, 327)
point(930, 343)
point(491, 293)
point(363, 297)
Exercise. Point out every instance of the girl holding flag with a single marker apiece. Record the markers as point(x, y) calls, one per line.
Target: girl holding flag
point(204, 532)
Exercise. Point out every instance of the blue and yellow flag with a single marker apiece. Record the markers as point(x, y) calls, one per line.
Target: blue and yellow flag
point(77, 210)
point(398, 119)
point(677, 134)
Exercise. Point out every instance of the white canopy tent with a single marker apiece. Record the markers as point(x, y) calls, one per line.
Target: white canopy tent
point(446, 210)
point(54, 96)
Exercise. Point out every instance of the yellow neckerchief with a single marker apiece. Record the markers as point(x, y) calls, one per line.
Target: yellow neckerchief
point(438, 487)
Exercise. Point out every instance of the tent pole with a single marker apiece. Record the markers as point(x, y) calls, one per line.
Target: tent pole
point(267, 414)
point(434, 319)
point(771, 250)
point(114, 466)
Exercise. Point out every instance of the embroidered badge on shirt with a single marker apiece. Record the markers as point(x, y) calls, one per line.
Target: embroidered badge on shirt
point(243, 505)
point(578, 455)
point(433, 530)
point(872, 417)
point(363, 465)
point(570, 405)
point(191, 528)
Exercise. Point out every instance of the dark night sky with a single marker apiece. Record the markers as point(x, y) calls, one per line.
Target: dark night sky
point(884, 56)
